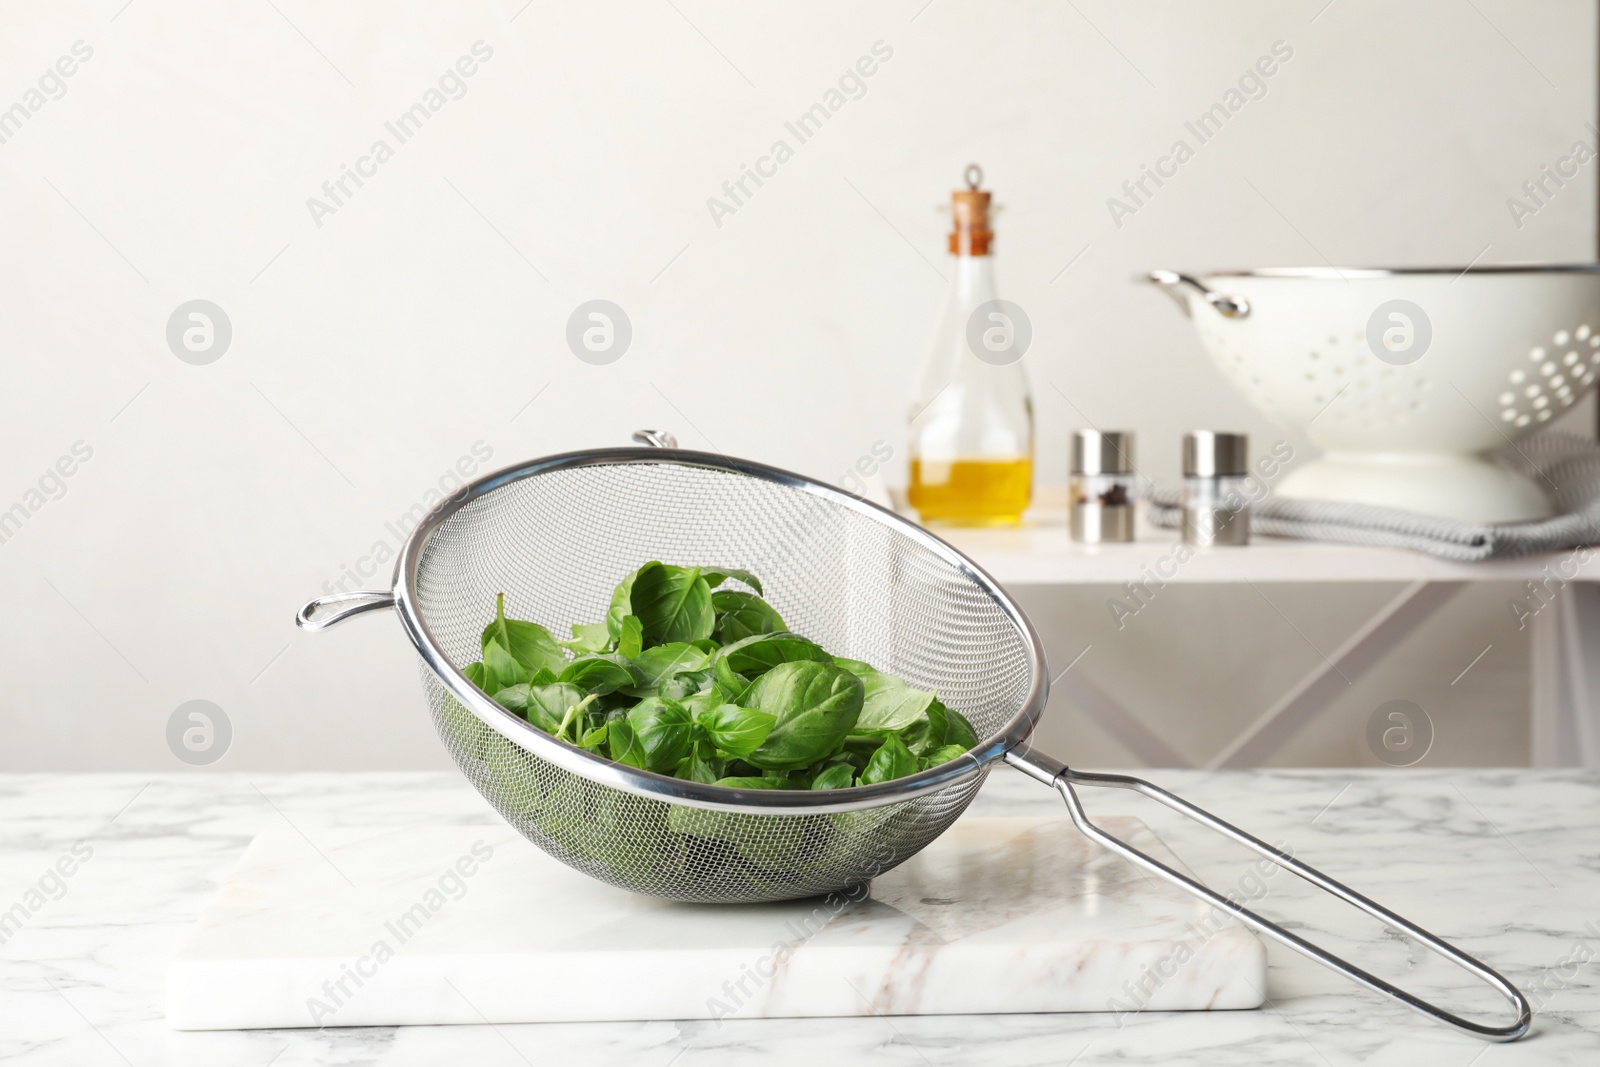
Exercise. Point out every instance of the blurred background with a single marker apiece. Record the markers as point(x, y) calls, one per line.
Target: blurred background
point(379, 338)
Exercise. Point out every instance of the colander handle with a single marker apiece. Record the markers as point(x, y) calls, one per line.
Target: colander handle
point(317, 616)
point(1062, 778)
point(1229, 307)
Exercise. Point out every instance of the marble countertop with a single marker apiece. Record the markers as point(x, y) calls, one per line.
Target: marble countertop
point(102, 876)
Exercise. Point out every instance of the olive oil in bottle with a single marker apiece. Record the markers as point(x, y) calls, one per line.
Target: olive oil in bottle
point(971, 425)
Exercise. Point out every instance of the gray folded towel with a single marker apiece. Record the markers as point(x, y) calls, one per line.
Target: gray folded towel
point(1565, 465)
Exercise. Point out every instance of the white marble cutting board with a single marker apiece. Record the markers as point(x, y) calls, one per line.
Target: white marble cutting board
point(466, 924)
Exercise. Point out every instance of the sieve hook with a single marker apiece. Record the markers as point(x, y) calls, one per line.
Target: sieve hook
point(316, 616)
point(655, 438)
point(1062, 778)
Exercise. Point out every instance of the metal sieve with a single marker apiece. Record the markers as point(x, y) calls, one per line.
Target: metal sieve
point(555, 534)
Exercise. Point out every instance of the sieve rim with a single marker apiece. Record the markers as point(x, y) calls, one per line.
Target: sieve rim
point(676, 790)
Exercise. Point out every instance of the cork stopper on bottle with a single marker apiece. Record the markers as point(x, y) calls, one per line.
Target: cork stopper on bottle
point(970, 208)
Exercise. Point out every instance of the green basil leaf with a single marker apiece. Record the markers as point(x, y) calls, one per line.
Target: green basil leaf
point(715, 576)
point(685, 685)
point(529, 643)
point(697, 767)
point(741, 615)
point(599, 674)
point(654, 666)
point(663, 731)
point(835, 776)
point(941, 755)
point(624, 743)
point(748, 783)
point(514, 698)
point(890, 705)
point(500, 669)
point(631, 641)
point(759, 653)
point(619, 608)
point(545, 706)
point(927, 733)
point(596, 739)
point(672, 603)
point(588, 638)
point(958, 731)
point(474, 673)
point(858, 749)
point(548, 705)
point(730, 679)
point(542, 676)
point(736, 731)
point(892, 760)
point(816, 706)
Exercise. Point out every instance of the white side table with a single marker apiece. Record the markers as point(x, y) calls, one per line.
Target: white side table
point(1565, 633)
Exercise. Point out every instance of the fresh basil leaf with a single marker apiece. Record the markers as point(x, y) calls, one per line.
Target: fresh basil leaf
point(858, 749)
point(697, 767)
point(715, 576)
point(624, 744)
point(588, 638)
point(927, 732)
point(500, 669)
point(599, 674)
point(619, 608)
point(748, 783)
point(685, 685)
point(529, 643)
point(958, 731)
point(941, 755)
point(709, 695)
point(728, 678)
point(546, 706)
point(759, 653)
point(542, 676)
point(816, 706)
point(672, 603)
point(474, 673)
point(890, 705)
point(631, 641)
point(741, 615)
point(514, 698)
point(736, 731)
point(655, 665)
point(834, 776)
point(663, 731)
point(596, 739)
point(892, 760)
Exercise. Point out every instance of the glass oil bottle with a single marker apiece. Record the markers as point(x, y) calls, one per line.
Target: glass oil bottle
point(971, 424)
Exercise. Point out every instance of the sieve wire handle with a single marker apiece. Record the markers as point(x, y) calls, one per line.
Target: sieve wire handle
point(1062, 778)
point(316, 615)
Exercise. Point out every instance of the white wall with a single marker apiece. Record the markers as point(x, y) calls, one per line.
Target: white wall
point(372, 351)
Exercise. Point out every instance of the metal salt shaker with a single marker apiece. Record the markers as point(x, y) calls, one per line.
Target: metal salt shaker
point(1216, 510)
point(1102, 486)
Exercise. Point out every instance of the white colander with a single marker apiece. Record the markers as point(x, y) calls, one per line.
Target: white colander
point(1405, 378)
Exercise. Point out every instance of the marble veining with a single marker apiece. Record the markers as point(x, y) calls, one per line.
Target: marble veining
point(463, 924)
point(1505, 863)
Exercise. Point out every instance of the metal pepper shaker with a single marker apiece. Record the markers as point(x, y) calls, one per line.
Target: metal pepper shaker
point(1216, 510)
point(1102, 486)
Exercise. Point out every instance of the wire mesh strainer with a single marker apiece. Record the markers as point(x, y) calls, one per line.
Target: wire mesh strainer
point(554, 535)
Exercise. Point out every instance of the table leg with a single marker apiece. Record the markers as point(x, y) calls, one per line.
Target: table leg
point(1335, 674)
point(1565, 664)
